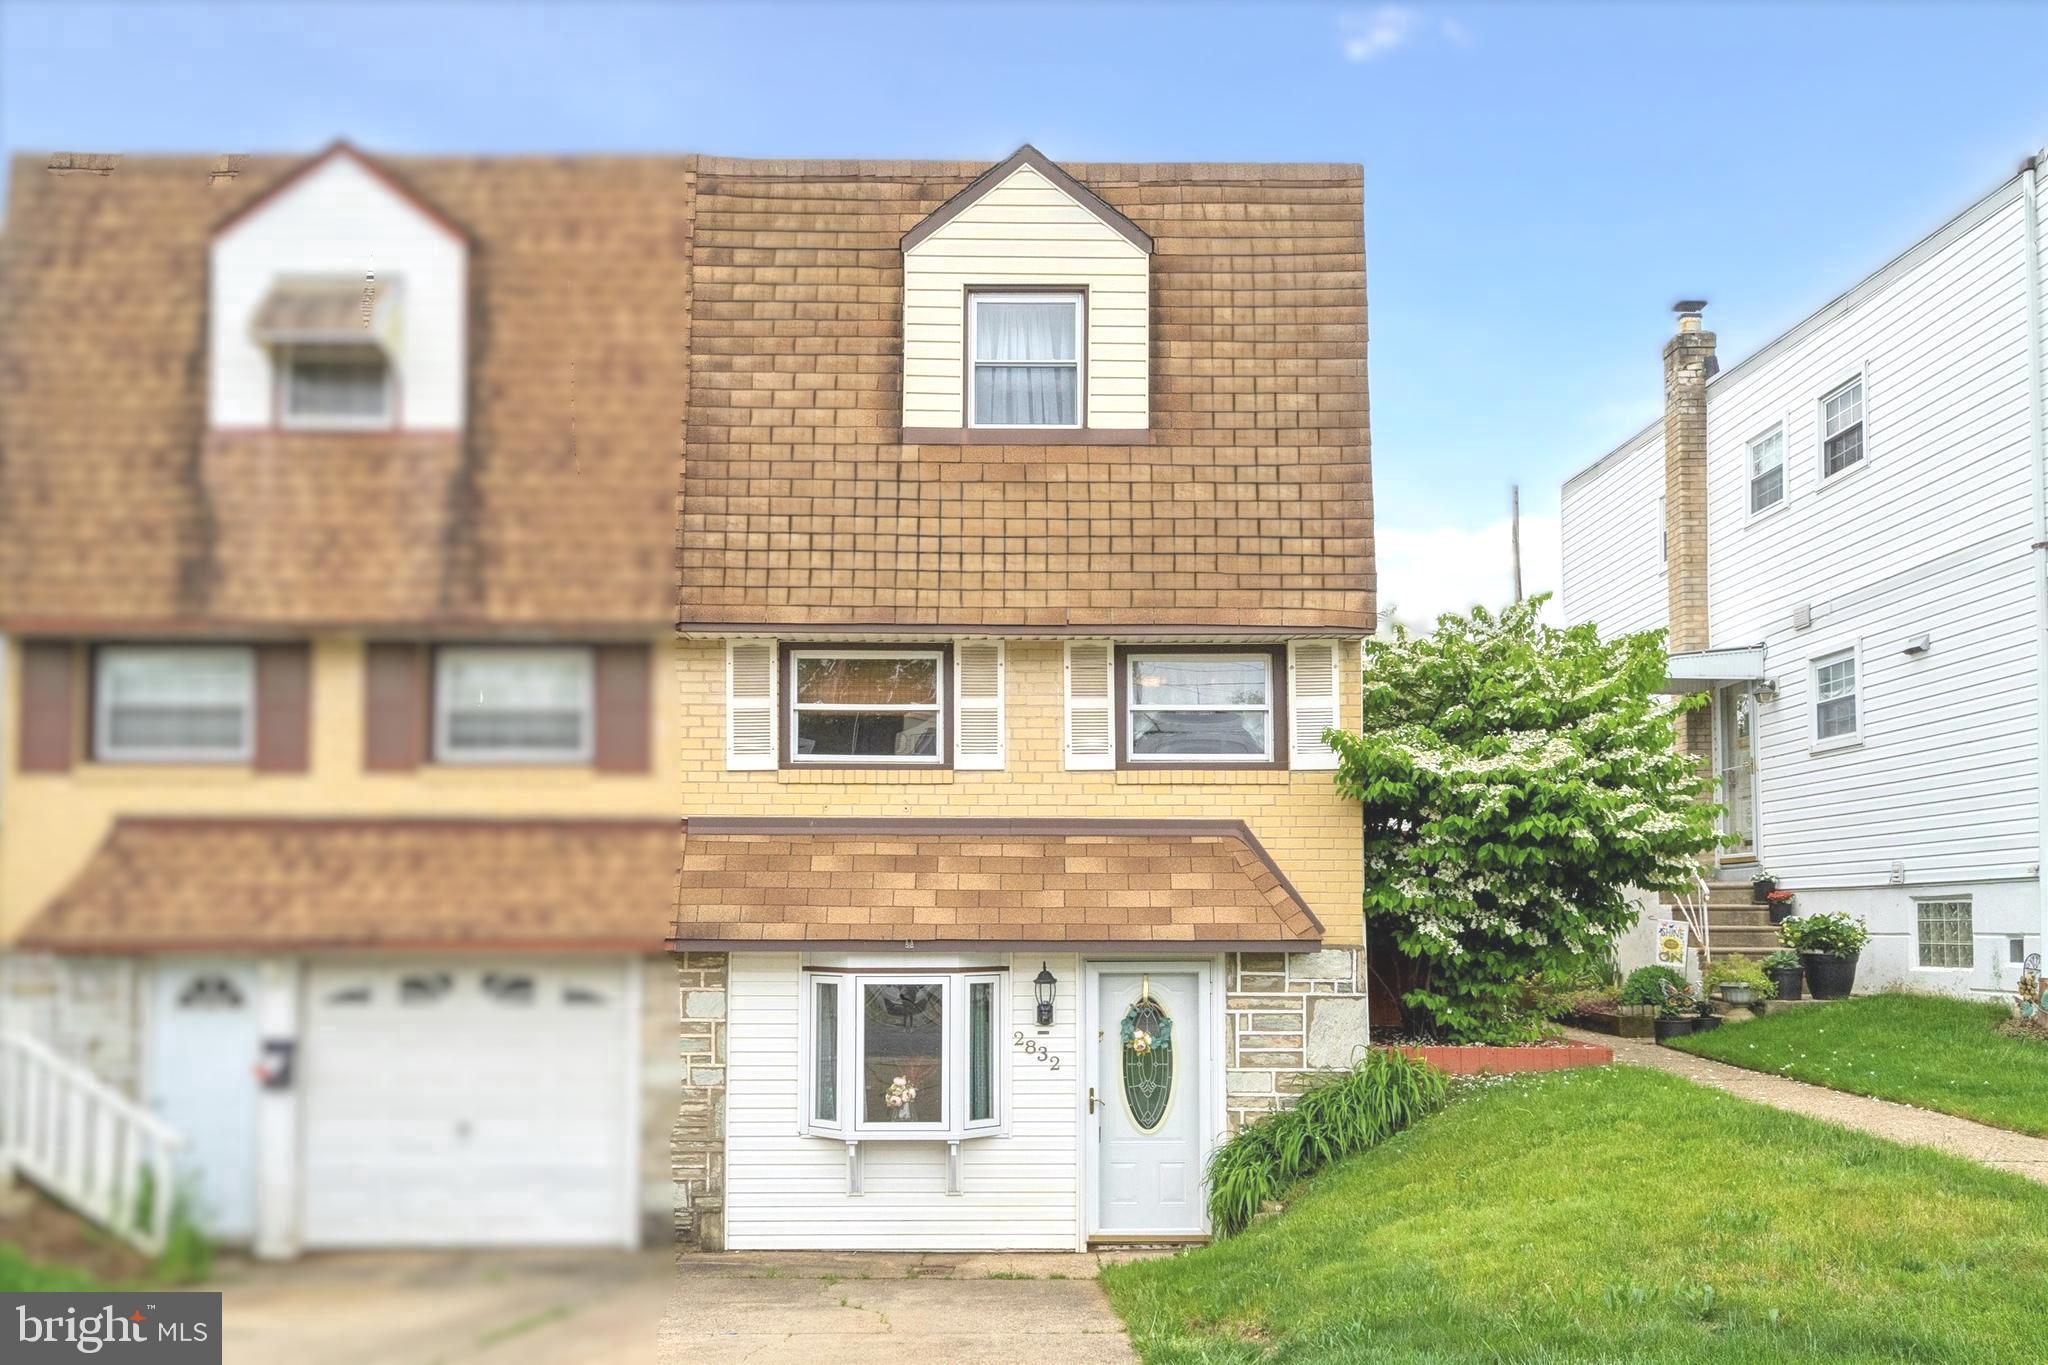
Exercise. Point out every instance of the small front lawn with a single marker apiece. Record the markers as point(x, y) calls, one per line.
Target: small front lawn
point(1932, 1051)
point(1614, 1215)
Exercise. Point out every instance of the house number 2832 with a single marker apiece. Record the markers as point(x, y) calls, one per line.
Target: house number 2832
point(1033, 1048)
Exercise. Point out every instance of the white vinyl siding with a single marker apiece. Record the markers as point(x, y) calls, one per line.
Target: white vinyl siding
point(1026, 231)
point(174, 703)
point(1944, 934)
point(1019, 1191)
point(1612, 527)
point(496, 704)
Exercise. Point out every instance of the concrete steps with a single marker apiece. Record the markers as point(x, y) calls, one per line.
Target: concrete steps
point(1735, 922)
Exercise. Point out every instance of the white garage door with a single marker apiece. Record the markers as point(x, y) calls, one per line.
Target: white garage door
point(468, 1104)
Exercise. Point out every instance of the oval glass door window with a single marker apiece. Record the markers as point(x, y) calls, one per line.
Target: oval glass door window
point(1148, 1062)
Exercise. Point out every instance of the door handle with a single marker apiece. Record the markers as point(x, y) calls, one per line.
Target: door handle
point(1091, 1099)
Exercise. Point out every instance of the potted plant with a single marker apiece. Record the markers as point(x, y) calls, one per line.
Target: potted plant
point(1678, 1013)
point(1780, 905)
point(1761, 884)
point(1738, 980)
point(1828, 945)
point(1705, 1020)
point(1644, 990)
point(1783, 968)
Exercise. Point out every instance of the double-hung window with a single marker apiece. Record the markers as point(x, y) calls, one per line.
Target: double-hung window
point(1841, 428)
point(1835, 717)
point(513, 704)
point(901, 1054)
point(335, 386)
point(1767, 470)
point(1944, 933)
point(867, 706)
point(1184, 707)
point(174, 703)
point(1025, 359)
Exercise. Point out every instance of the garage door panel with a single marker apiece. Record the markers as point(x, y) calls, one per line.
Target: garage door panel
point(467, 1104)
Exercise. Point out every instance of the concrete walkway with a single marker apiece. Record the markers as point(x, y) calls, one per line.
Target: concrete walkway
point(2015, 1152)
point(866, 1308)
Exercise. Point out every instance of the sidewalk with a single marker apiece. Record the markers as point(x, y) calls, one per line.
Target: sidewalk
point(2015, 1152)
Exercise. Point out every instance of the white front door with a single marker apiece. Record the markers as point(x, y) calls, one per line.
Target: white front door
point(463, 1103)
point(202, 1080)
point(1735, 750)
point(1150, 1095)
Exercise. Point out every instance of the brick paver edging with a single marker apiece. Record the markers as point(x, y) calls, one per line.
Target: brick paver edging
point(1510, 1061)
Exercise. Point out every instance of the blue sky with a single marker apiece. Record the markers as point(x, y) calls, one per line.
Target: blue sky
point(1541, 181)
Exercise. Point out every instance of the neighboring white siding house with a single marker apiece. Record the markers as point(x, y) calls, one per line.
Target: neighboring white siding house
point(1909, 568)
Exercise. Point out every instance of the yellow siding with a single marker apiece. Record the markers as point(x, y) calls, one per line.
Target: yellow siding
point(1025, 231)
point(1311, 832)
point(51, 823)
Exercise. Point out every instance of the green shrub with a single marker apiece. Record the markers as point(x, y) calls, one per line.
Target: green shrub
point(1780, 960)
point(1826, 932)
point(1737, 970)
point(1385, 1093)
point(1650, 985)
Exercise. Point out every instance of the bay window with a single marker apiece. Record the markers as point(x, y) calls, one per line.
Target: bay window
point(1025, 365)
point(1198, 707)
point(902, 1054)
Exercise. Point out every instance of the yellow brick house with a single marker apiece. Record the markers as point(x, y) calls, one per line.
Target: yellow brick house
point(1025, 552)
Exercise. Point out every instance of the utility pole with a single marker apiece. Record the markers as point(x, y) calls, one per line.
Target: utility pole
point(1515, 535)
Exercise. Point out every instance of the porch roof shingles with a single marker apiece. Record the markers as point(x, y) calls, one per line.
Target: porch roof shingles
point(825, 883)
point(195, 884)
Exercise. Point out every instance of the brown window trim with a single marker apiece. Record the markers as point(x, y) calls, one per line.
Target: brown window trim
point(786, 694)
point(1078, 435)
point(1121, 692)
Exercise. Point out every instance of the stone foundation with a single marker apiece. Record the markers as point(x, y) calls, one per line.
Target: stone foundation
point(1289, 1017)
point(87, 1009)
point(697, 1146)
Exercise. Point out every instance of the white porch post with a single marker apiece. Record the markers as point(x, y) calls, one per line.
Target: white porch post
point(277, 1114)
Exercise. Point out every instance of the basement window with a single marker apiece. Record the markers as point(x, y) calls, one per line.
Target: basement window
point(1944, 935)
point(902, 1055)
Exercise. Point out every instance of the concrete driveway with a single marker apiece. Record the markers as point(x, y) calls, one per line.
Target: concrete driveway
point(441, 1308)
point(815, 1308)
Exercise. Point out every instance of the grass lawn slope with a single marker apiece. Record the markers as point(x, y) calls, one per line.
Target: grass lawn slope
point(1927, 1050)
point(1615, 1215)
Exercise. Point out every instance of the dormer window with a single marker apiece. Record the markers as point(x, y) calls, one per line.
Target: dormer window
point(1027, 358)
point(330, 342)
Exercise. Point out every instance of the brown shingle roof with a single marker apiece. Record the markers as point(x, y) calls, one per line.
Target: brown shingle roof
point(231, 883)
point(983, 883)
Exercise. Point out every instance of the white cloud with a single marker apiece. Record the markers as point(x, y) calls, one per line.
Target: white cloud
point(1365, 36)
point(1425, 573)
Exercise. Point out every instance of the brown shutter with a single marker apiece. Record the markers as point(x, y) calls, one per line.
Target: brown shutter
point(284, 696)
point(623, 709)
point(49, 700)
point(396, 702)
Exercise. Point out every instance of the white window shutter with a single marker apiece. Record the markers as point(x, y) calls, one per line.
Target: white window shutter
point(750, 704)
point(978, 704)
point(1091, 732)
point(1312, 694)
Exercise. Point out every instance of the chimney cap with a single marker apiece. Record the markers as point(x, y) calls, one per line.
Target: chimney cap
point(1689, 308)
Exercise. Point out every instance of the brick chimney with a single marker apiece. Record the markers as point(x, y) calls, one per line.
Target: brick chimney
point(1688, 364)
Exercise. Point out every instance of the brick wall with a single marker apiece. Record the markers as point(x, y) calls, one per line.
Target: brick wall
point(1688, 365)
point(697, 1150)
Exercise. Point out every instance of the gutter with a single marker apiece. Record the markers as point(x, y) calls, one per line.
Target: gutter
point(2037, 446)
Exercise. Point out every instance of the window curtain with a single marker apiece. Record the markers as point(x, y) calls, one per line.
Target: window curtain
point(1044, 393)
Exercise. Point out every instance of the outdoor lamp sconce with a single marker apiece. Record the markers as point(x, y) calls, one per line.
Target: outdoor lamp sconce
point(1044, 984)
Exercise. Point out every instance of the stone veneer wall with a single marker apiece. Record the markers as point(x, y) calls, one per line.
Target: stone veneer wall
point(87, 1009)
point(1287, 1017)
point(697, 1148)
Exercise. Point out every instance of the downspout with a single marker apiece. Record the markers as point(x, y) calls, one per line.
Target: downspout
point(2037, 446)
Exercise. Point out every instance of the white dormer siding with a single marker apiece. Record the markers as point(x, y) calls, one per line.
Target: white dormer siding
point(340, 220)
point(1026, 231)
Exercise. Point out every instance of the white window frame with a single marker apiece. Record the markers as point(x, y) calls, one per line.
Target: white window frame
point(108, 657)
point(447, 656)
point(851, 1123)
point(283, 358)
point(1131, 708)
point(792, 708)
point(1079, 298)
point(1858, 381)
point(1749, 449)
point(1968, 903)
point(1854, 653)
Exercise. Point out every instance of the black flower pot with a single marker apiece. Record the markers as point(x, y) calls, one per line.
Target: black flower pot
point(1706, 1023)
point(1667, 1029)
point(1780, 911)
point(1830, 976)
point(1760, 892)
point(1787, 980)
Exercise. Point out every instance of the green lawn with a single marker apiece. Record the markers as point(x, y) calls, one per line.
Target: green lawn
point(20, 1275)
point(1615, 1215)
point(1927, 1050)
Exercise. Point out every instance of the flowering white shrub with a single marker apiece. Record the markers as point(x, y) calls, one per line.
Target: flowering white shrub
point(1516, 780)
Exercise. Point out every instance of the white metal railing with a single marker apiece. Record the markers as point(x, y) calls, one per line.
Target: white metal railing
point(85, 1143)
point(1698, 916)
